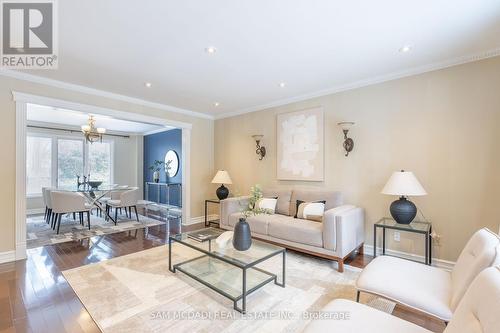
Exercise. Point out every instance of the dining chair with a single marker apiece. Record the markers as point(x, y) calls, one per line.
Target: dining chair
point(68, 202)
point(128, 200)
point(48, 203)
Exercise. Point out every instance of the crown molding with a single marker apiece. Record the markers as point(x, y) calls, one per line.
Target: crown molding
point(159, 130)
point(101, 93)
point(367, 82)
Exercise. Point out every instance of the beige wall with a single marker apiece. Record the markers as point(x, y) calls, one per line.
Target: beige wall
point(442, 125)
point(201, 146)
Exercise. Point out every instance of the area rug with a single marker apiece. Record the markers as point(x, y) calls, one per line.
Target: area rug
point(39, 232)
point(137, 293)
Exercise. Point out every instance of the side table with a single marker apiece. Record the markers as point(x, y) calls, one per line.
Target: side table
point(207, 201)
point(424, 228)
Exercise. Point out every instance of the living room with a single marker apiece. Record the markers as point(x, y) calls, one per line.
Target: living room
point(336, 166)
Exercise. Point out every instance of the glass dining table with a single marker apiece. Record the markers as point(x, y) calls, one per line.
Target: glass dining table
point(95, 194)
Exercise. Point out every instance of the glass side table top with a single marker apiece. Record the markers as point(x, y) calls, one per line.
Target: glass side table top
point(257, 252)
point(416, 226)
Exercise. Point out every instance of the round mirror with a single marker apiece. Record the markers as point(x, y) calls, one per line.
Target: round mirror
point(171, 163)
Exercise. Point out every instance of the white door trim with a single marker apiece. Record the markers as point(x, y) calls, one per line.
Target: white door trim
point(23, 99)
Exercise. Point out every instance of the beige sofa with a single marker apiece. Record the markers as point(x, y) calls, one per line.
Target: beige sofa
point(339, 234)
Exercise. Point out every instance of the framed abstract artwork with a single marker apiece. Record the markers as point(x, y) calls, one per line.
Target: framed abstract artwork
point(300, 145)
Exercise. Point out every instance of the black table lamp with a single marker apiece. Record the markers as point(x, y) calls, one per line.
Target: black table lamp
point(403, 183)
point(222, 177)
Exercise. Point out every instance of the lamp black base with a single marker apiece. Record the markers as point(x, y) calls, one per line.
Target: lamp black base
point(222, 192)
point(403, 211)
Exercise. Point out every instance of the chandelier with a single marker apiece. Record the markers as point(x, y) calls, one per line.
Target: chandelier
point(91, 133)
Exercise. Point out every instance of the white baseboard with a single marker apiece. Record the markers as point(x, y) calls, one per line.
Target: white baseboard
point(201, 219)
point(445, 264)
point(7, 256)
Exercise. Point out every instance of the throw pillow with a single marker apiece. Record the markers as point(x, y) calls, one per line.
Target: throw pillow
point(312, 211)
point(268, 204)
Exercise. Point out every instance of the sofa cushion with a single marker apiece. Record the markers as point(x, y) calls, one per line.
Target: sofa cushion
point(258, 223)
point(283, 204)
point(296, 230)
point(346, 316)
point(422, 287)
point(267, 204)
point(332, 198)
point(312, 211)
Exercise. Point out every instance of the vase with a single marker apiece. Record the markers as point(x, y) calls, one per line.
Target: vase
point(156, 176)
point(167, 178)
point(242, 237)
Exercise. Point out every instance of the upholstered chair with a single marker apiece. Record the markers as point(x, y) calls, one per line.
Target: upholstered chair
point(429, 289)
point(48, 203)
point(127, 199)
point(477, 312)
point(68, 202)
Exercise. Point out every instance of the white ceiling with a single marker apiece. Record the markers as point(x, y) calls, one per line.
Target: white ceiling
point(74, 119)
point(314, 46)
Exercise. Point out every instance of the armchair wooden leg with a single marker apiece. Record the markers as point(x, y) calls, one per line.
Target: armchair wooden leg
point(116, 215)
point(341, 266)
point(357, 296)
point(59, 222)
point(53, 221)
point(74, 216)
point(88, 218)
point(136, 215)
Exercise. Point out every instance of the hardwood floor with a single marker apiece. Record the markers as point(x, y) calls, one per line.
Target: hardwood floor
point(35, 297)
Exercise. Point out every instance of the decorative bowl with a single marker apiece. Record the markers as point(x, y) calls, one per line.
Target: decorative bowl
point(95, 183)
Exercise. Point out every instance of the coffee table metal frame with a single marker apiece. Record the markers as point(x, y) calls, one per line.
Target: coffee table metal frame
point(243, 266)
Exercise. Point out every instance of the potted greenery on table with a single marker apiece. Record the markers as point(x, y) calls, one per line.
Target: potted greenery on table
point(156, 167)
point(242, 237)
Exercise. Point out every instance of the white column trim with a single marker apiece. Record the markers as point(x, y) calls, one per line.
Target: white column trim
point(23, 99)
point(93, 109)
point(20, 237)
point(186, 175)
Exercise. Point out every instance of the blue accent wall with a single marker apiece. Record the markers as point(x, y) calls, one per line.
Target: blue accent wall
point(155, 148)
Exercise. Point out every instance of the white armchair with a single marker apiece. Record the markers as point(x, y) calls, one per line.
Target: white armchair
point(127, 199)
point(477, 312)
point(68, 202)
point(429, 289)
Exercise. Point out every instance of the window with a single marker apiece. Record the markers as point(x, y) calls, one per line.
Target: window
point(38, 164)
point(55, 161)
point(99, 161)
point(69, 161)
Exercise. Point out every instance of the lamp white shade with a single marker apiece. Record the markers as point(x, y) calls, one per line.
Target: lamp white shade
point(222, 177)
point(403, 183)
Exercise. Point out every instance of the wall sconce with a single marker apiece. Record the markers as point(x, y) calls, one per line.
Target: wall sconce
point(348, 142)
point(261, 151)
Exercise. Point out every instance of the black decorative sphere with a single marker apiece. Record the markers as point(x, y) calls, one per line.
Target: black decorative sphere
point(403, 210)
point(242, 237)
point(222, 192)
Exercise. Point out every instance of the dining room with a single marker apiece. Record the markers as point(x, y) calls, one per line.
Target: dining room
point(86, 175)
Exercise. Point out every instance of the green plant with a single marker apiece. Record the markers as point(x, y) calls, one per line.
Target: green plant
point(167, 165)
point(157, 164)
point(255, 196)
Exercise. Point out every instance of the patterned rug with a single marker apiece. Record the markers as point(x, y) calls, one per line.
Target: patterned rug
point(39, 233)
point(137, 293)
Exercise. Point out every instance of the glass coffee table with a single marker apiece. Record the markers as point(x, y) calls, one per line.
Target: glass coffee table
point(227, 271)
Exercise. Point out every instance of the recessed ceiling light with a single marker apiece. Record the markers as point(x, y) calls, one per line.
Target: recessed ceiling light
point(148, 84)
point(282, 84)
point(406, 48)
point(210, 50)
point(216, 104)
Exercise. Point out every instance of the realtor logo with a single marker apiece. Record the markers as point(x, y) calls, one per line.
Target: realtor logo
point(29, 34)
